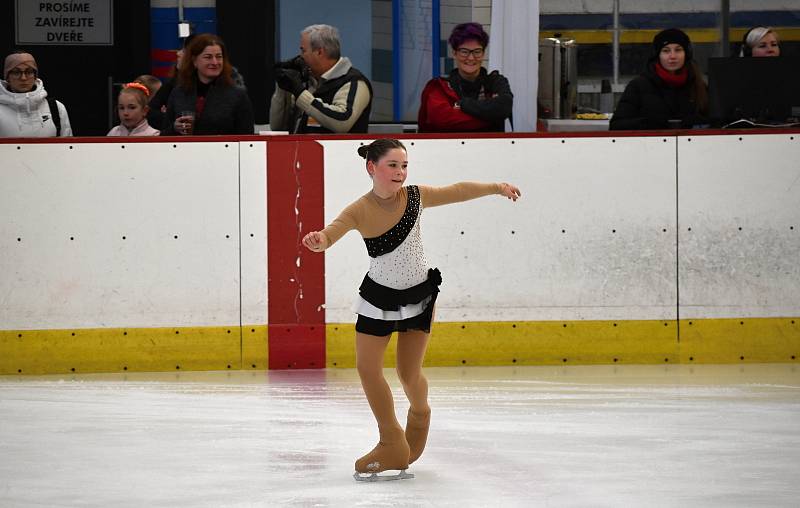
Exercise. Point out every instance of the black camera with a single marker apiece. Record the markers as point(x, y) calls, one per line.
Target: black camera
point(298, 64)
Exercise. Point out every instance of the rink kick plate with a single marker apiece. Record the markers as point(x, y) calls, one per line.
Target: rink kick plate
point(745, 340)
point(133, 349)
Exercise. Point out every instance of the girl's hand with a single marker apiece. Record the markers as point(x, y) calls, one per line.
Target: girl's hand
point(315, 241)
point(510, 191)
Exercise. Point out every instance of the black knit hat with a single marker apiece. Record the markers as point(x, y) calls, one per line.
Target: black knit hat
point(672, 36)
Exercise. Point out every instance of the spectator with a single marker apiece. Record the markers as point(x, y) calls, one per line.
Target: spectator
point(25, 108)
point(132, 110)
point(470, 99)
point(671, 93)
point(159, 94)
point(760, 41)
point(158, 101)
point(320, 90)
point(205, 99)
point(152, 83)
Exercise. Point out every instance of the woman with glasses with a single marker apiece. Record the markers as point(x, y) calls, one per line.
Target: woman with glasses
point(25, 109)
point(470, 99)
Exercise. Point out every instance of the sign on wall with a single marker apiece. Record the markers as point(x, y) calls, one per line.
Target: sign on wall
point(65, 23)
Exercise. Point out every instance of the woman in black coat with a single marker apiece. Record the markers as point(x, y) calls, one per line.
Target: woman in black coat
point(205, 99)
point(671, 93)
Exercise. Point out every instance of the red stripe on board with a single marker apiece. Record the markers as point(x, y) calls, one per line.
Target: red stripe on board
point(296, 276)
point(297, 346)
point(161, 72)
point(164, 55)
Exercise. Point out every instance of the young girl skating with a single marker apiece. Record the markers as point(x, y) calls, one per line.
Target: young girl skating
point(397, 294)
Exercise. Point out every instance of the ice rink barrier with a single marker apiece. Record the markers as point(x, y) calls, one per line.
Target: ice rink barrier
point(183, 254)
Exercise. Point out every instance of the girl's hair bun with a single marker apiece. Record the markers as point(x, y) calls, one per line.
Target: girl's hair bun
point(378, 148)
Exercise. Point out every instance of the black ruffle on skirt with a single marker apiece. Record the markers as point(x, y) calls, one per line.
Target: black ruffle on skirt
point(381, 328)
point(389, 299)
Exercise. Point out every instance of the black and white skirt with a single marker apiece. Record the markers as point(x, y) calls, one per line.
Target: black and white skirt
point(383, 310)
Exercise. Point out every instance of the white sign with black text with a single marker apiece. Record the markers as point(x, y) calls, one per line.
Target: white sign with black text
point(90, 22)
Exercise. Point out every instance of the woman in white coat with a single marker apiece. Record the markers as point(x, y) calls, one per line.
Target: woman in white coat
point(25, 109)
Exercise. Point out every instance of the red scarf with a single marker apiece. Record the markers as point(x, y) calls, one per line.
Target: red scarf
point(670, 79)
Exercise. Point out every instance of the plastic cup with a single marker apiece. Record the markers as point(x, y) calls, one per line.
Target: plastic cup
point(187, 122)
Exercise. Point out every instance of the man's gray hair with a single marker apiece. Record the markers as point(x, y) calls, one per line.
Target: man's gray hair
point(325, 37)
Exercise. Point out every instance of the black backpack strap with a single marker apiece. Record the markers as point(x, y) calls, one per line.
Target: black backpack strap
point(55, 115)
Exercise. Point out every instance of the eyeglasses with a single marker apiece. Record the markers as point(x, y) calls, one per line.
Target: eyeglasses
point(465, 53)
point(16, 73)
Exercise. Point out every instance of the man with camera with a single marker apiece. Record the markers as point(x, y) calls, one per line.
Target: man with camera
point(320, 91)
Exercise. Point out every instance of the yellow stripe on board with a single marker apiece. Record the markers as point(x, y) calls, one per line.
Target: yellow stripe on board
point(255, 347)
point(592, 342)
point(697, 36)
point(133, 349)
point(752, 340)
point(452, 344)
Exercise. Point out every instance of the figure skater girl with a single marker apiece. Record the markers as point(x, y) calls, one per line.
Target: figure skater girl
point(132, 109)
point(397, 294)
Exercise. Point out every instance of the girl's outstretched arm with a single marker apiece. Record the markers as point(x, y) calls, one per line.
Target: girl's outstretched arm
point(464, 191)
point(316, 241)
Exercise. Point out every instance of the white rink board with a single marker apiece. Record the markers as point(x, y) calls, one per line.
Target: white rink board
point(750, 182)
point(146, 192)
point(253, 192)
point(613, 198)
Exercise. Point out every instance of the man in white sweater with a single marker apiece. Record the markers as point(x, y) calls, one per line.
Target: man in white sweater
point(320, 91)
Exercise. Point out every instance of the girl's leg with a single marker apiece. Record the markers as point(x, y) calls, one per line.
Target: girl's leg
point(411, 347)
point(369, 362)
point(392, 450)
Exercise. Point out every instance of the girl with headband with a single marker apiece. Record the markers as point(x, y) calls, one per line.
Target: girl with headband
point(132, 109)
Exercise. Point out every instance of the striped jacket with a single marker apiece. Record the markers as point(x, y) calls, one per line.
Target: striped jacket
point(340, 102)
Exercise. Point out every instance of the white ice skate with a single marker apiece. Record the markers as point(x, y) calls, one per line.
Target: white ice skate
point(375, 477)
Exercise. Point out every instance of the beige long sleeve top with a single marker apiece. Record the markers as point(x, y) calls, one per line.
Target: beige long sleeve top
point(372, 216)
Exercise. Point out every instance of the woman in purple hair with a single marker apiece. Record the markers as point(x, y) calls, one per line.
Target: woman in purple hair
point(470, 99)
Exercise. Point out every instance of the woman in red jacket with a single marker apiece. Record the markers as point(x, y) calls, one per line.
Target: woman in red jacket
point(470, 99)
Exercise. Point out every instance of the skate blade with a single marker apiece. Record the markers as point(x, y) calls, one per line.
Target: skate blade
point(375, 477)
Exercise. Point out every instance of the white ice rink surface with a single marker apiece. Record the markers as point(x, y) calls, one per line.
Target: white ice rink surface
point(525, 436)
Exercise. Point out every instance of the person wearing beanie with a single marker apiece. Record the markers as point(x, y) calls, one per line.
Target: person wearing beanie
point(25, 109)
point(670, 93)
